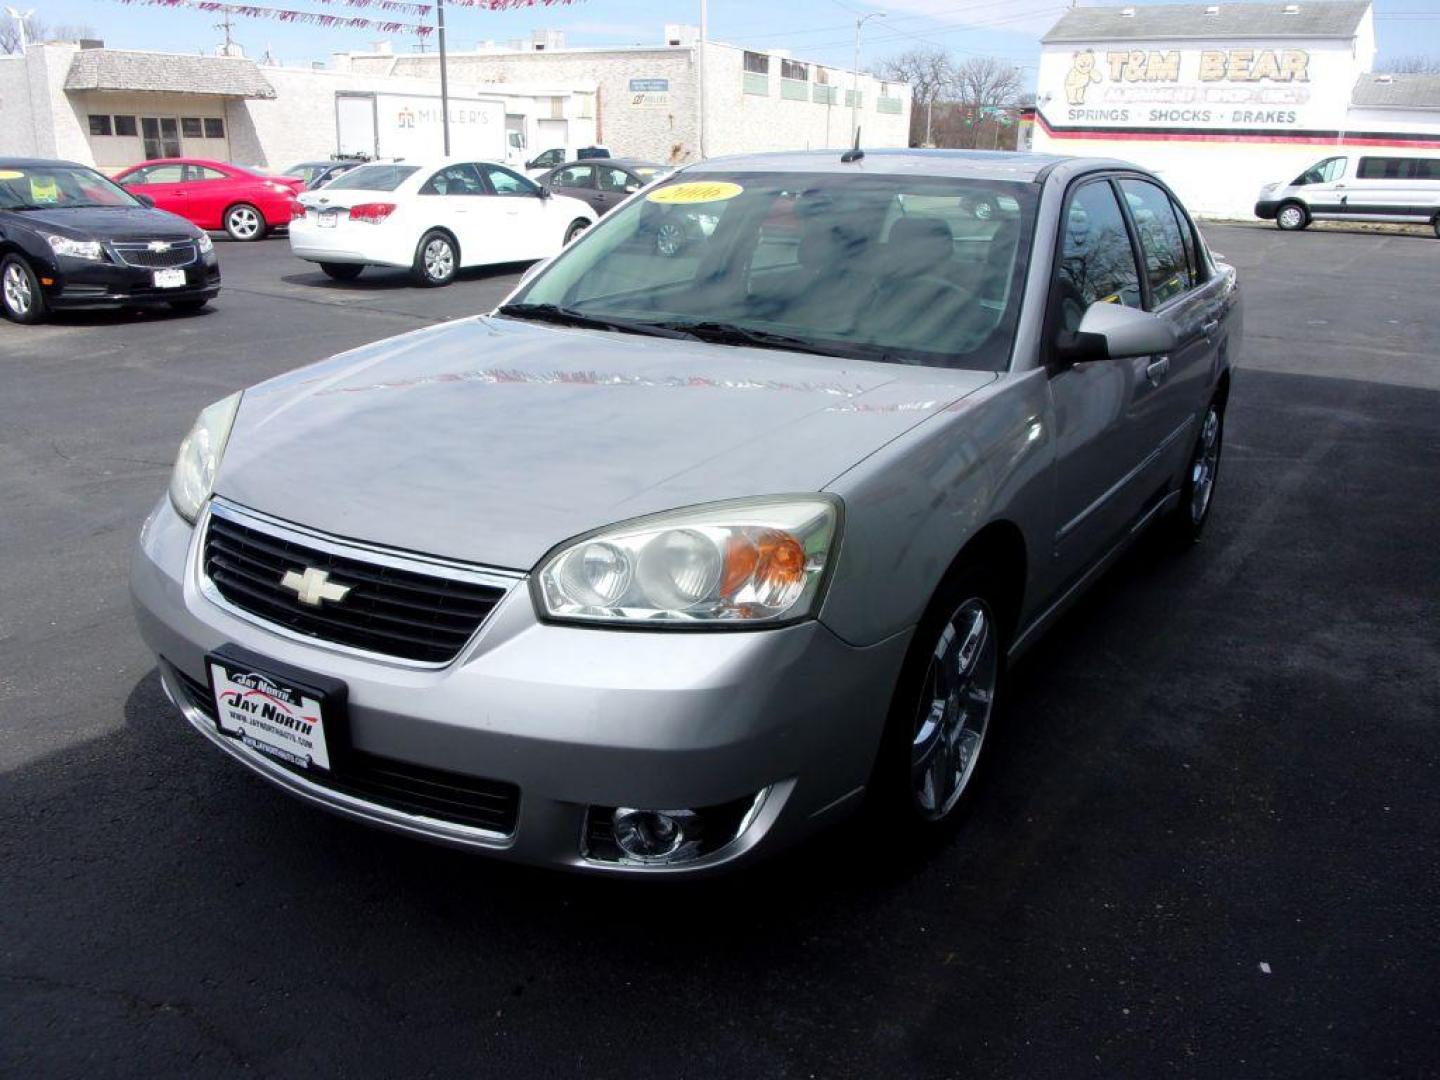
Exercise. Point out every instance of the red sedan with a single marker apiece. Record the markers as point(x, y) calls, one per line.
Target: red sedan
point(216, 194)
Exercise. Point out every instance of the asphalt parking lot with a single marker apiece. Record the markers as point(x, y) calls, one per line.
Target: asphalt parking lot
point(1208, 843)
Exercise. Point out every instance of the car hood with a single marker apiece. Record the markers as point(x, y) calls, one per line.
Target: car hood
point(492, 440)
point(110, 223)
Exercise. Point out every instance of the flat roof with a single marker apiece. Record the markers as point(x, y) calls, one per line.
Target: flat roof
point(1219, 21)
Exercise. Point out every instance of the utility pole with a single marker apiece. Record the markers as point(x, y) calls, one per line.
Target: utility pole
point(700, 77)
point(855, 75)
point(225, 25)
point(444, 76)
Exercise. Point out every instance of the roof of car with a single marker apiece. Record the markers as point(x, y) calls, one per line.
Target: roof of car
point(970, 164)
point(37, 163)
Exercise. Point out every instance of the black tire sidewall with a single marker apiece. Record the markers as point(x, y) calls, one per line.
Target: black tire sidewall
point(1280, 217)
point(575, 230)
point(1184, 529)
point(890, 800)
point(259, 233)
point(341, 271)
point(37, 303)
point(422, 277)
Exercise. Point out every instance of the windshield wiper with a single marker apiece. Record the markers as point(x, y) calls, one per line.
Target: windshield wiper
point(563, 316)
point(722, 333)
point(28, 206)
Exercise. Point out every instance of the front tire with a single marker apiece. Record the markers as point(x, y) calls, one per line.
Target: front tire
point(20, 294)
point(576, 228)
point(342, 271)
point(943, 710)
point(1436, 224)
point(245, 223)
point(436, 260)
point(1292, 217)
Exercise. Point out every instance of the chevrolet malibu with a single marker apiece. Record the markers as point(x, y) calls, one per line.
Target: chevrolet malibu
point(670, 561)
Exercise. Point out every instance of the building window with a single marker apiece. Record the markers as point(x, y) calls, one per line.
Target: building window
point(792, 69)
point(214, 127)
point(757, 63)
point(822, 76)
point(125, 125)
point(190, 127)
point(99, 125)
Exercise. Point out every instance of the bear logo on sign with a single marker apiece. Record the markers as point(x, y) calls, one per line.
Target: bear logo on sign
point(1082, 74)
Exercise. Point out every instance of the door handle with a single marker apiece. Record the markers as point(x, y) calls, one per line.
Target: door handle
point(1209, 328)
point(1155, 371)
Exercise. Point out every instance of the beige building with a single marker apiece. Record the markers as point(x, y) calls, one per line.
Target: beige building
point(112, 108)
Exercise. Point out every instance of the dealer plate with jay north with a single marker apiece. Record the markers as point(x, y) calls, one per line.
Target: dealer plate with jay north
point(270, 714)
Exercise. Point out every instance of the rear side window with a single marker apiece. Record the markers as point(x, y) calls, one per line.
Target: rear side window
point(374, 178)
point(1394, 168)
point(1097, 263)
point(1166, 265)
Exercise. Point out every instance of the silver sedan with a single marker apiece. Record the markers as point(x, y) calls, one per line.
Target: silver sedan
point(672, 560)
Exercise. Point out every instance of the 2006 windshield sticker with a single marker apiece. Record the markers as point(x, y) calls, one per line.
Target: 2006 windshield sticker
point(697, 191)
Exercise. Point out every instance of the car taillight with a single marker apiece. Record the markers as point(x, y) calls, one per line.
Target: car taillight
point(372, 213)
point(297, 211)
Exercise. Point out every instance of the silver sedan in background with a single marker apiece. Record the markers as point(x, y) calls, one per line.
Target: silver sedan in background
point(672, 560)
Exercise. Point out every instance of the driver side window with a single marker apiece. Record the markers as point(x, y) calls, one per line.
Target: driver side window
point(1097, 262)
point(505, 182)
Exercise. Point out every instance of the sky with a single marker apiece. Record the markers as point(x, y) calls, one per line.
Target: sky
point(818, 30)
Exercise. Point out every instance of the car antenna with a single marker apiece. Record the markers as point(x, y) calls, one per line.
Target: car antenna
point(854, 153)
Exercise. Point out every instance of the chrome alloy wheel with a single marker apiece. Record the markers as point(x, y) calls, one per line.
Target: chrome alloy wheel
point(957, 695)
point(242, 223)
point(18, 296)
point(1291, 217)
point(1205, 467)
point(439, 259)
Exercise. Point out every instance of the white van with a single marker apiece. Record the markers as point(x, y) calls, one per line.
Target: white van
point(1383, 186)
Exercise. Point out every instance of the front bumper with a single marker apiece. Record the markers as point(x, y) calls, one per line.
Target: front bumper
point(84, 284)
point(1266, 209)
point(574, 716)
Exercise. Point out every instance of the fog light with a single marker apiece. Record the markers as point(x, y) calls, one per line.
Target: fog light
point(653, 835)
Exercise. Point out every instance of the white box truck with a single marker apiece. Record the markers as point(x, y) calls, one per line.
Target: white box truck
point(408, 125)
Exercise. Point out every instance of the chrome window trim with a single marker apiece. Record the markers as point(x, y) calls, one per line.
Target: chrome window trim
point(350, 549)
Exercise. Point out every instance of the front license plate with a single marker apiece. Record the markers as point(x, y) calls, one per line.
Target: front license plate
point(169, 279)
point(270, 714)
point(326, 219)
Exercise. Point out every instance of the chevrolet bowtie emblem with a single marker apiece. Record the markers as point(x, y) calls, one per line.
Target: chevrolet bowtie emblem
point(158, 245)
point(313, 587)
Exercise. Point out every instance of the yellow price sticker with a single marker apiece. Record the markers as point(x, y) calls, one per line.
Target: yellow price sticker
point(699, 191)
point(11, 174)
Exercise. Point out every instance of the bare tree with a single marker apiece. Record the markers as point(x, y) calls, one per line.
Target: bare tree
point(38, 30)
point(1411, 65)
point(929, 73)
point(983, 81)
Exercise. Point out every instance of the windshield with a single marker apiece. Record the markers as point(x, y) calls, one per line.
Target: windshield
point(893, 268)
point(373, 178)
point(42, 187)
point(305, 172)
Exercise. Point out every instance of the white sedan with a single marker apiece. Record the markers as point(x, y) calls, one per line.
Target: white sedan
point(433, 218)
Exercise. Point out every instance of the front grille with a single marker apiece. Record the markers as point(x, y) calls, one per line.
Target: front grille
point(179, 253)
point(492, 805)
point(403, 613)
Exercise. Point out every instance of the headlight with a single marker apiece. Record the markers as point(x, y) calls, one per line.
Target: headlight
point(205, 244)
point(742, 563)
point(199, 457)
point(74, 249)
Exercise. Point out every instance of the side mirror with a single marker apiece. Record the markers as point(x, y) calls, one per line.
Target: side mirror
point(631, 188)
point(1115, 332)
point(543, 192)
point(145, 201)
point(532, 164)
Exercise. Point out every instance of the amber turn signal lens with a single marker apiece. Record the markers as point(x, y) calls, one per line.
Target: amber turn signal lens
point(740, 560)
point(781, 561)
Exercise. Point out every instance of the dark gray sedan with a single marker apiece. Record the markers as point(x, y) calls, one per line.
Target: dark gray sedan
point(672, 560)
point(603, 184)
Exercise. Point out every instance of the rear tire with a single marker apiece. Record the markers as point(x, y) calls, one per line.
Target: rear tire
point(1292, 217)
point(945, 705)
point(436, 260)
point(342, 271)
point(1185, 524)
point(20, 295)
point(245, 223)
point(1436, 224)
